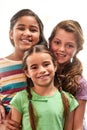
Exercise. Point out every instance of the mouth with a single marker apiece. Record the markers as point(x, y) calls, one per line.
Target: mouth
point(26, 41)
point(61, 55)
point(43, 76)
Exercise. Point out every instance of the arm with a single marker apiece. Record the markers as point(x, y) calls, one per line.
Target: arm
point(69, 121)
point(13, 120)
point(2, 112)
point(16, 115)
point(79, 115)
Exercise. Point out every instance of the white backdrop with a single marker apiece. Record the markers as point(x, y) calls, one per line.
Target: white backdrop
point(51, 12)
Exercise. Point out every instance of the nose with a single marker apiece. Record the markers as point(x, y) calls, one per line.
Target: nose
point(42, 69)
point(61, 47)
point(27, 32)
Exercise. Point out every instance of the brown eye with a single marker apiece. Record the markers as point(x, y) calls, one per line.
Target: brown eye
point(69, 46)
point(33, 29)
point(33, 67)
point(57, 42)
point(21, 28)
point(46, 64)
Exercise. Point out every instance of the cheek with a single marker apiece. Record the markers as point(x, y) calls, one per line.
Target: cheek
point(52, 69)
point(37, 35)
point(72, 53)
point(36, 39)
point(32, 74)
point(53, 48)
point(15, 36)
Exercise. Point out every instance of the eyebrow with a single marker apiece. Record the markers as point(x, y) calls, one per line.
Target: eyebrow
point(32, 26)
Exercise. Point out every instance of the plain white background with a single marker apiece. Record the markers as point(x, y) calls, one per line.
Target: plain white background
point(51, 12)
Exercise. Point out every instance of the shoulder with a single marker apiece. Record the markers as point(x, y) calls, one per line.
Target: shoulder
point(82, 89)
point(7, 62)
point(68, 95)
point(3, 63)
point(19, 100)
point(22, 93)
point(2, 60)
point(20, 97)
point(72, 101)
point(82, 81)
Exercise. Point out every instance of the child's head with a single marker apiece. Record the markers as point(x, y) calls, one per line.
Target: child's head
point(30, 24)
point(65, 42)
point(39, 65)
point(70, 27)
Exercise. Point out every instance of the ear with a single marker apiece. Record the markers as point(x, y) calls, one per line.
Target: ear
point(11, 34)
point(27, 73)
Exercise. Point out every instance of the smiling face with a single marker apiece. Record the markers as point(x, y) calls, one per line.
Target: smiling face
point(25, 33)
point(63, 45)
point(40, 69)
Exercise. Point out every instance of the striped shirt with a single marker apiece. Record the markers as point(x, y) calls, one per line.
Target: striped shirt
point(12, 80)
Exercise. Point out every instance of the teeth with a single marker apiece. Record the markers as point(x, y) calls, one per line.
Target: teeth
point(27, 41)
point(62, 55)
point(43, 76)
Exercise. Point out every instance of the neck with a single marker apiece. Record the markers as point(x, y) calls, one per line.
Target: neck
point(62, 66)
point(15, 56)
point(44, 91)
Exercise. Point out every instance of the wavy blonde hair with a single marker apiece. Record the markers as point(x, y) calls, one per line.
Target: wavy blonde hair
point(72, 71)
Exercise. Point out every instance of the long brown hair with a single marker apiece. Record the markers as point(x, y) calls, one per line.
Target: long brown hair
point(36, 49)
point(27, 12)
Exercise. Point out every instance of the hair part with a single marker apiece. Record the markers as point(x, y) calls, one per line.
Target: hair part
point(44, 49)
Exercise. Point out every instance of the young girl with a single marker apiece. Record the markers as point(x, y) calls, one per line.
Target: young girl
point(43, 106)
point(26, 30)
point(65, 42)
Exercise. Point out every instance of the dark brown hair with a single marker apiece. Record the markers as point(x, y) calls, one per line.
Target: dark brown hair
point(28, 12)
point(44, 49)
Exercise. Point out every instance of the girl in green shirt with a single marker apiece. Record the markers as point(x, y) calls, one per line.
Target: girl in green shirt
point(43, 105)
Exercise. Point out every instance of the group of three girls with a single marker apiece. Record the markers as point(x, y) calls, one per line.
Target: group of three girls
point(48, 76)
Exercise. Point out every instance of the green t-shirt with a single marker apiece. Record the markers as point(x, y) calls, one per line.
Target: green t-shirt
point(48, 109)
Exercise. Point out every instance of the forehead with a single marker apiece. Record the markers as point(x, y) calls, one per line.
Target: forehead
point(38, 57)
point(63, 32)
point(64, 35)
point(27, 20)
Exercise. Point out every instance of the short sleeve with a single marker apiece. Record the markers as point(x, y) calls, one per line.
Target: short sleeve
point(17, 101)
point(82, 89)
point(72, 101)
